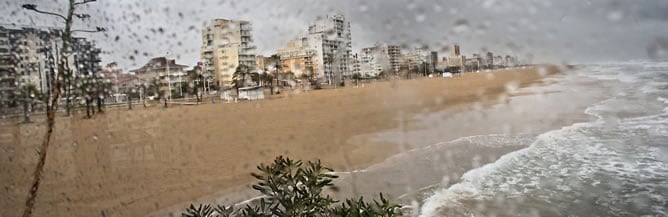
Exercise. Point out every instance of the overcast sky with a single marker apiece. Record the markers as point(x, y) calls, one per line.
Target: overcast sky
point(572, 31)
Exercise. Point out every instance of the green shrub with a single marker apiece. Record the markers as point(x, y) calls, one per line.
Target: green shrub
point(292, 188)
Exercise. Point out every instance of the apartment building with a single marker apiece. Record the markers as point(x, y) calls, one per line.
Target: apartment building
point(226, 44)
point(29, 56)
point(330, 40)
point(165, 72)
point(297, 57)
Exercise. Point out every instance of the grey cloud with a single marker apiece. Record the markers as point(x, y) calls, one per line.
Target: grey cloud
point(555, 31)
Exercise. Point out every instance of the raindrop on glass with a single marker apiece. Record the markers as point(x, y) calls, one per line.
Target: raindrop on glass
point(615, 16)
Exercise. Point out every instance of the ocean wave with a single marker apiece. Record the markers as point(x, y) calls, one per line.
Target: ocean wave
point(611, 166)
point(474, 183)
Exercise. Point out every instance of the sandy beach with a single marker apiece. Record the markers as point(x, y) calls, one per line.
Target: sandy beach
point(145, 161)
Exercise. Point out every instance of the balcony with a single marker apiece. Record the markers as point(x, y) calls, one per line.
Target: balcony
point(9, 77)
point(246, 27)
point(250, 47)
point(4, 87)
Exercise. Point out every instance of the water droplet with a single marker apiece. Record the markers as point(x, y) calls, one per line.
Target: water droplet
point(420, 18)
point(658, 49)
point(364, 8)
point(438, 100)
point(488, 3)
point(615, 16)
point(512, 86)
point(453, 11)
point(542, 71)
point(461, 26)
point(490, 76)
point(438, 8)
point(477, 106)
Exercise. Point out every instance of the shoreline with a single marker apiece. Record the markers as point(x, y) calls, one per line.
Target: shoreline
point(243, 194)
point(133, 163)
point(441, 160)
point(373, 179)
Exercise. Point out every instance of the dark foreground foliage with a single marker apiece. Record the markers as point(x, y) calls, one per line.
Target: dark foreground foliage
point(294, 188)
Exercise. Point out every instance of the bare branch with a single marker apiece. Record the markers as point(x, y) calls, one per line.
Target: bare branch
point(82, 16)
point(97, 29)
point(84, 2)
point(33, 7)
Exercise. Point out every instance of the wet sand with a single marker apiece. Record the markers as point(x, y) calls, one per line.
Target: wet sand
point(436, 148)
point(132, 163)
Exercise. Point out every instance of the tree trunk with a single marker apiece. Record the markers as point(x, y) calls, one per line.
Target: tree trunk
point(26, 115)
point(68, 103)
point(278, 85)
point(88, 108)
point(199, 94)
point(143, 96)
point(99, 104)
point(51, 115)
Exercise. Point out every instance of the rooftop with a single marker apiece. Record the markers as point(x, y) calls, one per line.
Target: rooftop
point(158, 63)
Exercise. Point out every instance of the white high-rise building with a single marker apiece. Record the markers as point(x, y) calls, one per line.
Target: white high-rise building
point(226, 44)
point(375, 60)
point(331, 42)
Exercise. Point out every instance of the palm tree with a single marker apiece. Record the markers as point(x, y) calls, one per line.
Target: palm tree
point(255, 77)
point(86, 90)
point(267, 78)
point(278, 67)
point(102, 86)
point(154, 88)
point(197, 78)
point(239, 77)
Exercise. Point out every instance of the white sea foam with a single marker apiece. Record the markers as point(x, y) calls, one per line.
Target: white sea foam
point(619, 156)
point(473, 184)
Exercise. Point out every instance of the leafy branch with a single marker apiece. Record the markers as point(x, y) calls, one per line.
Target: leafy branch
point(295, 188)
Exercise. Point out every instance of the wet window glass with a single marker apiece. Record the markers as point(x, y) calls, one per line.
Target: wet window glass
point(217, 108)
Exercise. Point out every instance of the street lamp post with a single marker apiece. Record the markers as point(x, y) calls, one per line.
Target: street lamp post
point(181, 84)
point(208, 85)
point(169, 78)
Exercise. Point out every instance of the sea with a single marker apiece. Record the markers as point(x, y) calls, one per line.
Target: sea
point(613, 163)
